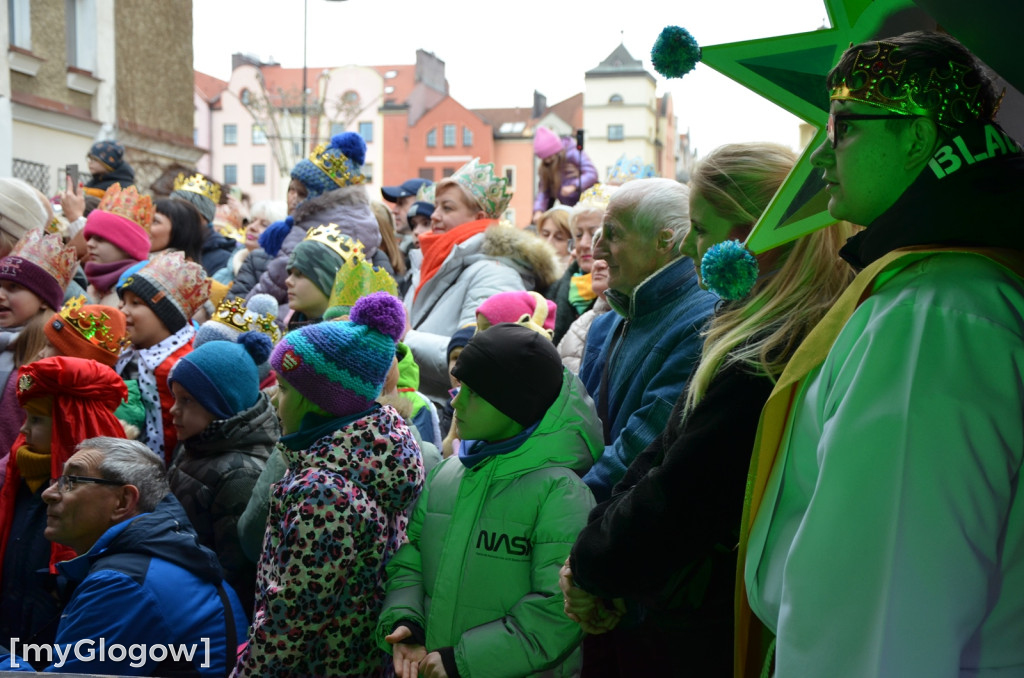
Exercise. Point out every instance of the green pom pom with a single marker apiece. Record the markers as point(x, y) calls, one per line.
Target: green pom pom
point(675, 52)
point(729, 270)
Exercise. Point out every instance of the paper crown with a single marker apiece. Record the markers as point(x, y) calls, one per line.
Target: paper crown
point(127, 203)
point(343, 244)
point(48, 252)
point(235, 314)
point(183, 282)
point(596, 197)
point(627, 169)
point(877, 78)
point(197, 183)
point(426, 193)
point(338, 166)
point(96, 328)
point(489, 190)
point(355, 279)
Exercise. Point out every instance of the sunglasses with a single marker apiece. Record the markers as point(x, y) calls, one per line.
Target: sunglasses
point(833, 133)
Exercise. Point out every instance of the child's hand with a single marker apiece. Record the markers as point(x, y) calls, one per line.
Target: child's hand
point(579, 605)
point(432, 666)
point(406, 657)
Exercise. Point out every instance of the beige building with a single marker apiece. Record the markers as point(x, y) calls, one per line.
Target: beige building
point(80, 70)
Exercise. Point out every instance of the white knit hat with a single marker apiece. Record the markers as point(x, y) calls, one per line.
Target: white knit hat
point(20, 209)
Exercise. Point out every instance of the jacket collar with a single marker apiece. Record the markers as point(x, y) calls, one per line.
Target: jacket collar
point(668, 282)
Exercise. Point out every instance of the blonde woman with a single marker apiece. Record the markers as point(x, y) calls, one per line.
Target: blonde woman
point(665, 540)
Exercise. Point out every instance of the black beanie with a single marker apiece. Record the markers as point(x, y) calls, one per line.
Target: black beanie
point(515, 369)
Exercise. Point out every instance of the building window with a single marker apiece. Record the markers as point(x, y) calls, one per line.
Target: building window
point(259, 135)
point(368, 172)
point(389, 89)
point(432, 138)
point(467, 136)
point(230, 174)
point(390, 74)
point(296, 148)
point(230, 135)
point(195, 136)
point(337, 128)
point(19, 21)
point(449, 136)
point(366, 131)
point(259, 174)
point(427, 173)
point(350, 98)
point(510, 176)
point(615, 99)
point(245, 97)
point(80, 33)
point(447, 172)
point(616, 133)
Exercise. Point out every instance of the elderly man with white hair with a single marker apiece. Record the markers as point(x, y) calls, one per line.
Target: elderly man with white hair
point(638, 359)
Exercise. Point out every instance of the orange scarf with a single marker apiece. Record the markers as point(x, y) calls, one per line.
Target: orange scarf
point(437, 246)
point(752, 637)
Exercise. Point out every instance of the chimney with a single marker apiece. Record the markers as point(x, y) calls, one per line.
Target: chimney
point(540, 104)
point(430, 71)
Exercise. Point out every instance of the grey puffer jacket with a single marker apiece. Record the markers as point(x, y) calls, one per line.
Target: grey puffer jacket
point(347, 207)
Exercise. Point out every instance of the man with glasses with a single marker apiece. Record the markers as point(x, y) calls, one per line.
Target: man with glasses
point(884, 532)
point(141, 578)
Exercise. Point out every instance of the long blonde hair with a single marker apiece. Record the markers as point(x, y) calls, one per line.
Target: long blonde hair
point(388, 241)
point(763, 330)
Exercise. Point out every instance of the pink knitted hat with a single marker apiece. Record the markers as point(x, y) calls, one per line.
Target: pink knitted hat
point(510, 307)
point(546, 143)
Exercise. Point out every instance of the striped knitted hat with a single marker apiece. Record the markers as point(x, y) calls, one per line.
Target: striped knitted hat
point(340, 366)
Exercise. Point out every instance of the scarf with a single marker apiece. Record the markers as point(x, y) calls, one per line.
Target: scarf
point(104, 276)
point(33, 466)
point(437, 246)
point(581, 293)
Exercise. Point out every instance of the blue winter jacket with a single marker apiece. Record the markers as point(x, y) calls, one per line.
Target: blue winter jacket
point(147, 581)
point(650, 345)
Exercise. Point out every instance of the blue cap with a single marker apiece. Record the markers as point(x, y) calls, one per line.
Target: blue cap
point(410, 187)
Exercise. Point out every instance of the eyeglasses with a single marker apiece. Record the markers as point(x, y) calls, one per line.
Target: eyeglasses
point(833, 134)
point(66, 483)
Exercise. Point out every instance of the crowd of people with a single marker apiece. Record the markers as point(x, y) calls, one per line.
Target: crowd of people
point(343, 435)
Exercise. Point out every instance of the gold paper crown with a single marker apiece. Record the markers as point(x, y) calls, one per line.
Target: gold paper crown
point(184, 282)
point(129, 204)
point(197, 183)
point(878, 79)
point(596, 197)
point(358, 278)
point(337, 166)
point(48, 252)
point(426, 193)
point(344, 245)
point(234, 314)
point(96, 328)
point(489, 190)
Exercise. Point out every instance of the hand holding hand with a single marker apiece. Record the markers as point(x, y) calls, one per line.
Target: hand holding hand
point(406, 657)
point(432, 666)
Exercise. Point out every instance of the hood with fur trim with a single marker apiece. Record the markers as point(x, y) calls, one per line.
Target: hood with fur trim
point(530, 255)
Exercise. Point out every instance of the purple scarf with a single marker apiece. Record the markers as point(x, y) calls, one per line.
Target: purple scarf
point(104, 276)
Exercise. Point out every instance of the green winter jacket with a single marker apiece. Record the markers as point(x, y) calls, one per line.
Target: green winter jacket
point(480, 571)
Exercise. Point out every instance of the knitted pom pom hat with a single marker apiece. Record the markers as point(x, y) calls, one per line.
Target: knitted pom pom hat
point(333, 165)
point(222, 375)
point(340, 366)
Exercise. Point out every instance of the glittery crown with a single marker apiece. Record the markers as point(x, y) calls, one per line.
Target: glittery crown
point(627, 169)
point(235, 314)
point(197, 183)
point(184, 282)
point(127, 203)
point(337, 166)
point(596, 197)
point(358, 278)
point(94, 327)
point(426, 193)
point(346, 246)
point(48, 252)
point(878, 79)
point(489, 190)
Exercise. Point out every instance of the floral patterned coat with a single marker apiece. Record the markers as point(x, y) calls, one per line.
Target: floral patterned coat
point(336, 518)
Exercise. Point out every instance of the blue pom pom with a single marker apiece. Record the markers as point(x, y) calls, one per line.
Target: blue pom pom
point(382, 312)
point(675, 52)
point(729, 270)
point(273, 236)
point(352, 145)
point(257, 345)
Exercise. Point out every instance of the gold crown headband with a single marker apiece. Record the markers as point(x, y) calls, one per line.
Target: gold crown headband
point(878, 79)
point(338, 167)
point(198, 184)
point(94, 327)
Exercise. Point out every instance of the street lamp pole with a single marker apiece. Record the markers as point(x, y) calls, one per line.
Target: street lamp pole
point(305, 29)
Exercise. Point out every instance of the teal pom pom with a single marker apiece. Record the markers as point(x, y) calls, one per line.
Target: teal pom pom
point(675, 52)
point(729, 270)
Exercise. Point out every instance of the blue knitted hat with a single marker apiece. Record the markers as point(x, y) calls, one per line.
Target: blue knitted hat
point(222, 375)
point(340, 365)
point(110, 153)
point(333, 165)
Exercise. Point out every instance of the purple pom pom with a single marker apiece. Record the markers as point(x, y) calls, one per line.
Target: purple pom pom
point(382, 312)
point(352, 145)
point(257, 345)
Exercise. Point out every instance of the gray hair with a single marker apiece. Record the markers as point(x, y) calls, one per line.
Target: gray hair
point(132, 463)
point(652, 205)
point(269, 210)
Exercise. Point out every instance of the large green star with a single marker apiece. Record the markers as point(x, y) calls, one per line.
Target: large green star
point(790, 70)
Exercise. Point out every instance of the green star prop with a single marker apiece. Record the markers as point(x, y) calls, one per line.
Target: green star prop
point(790, 70)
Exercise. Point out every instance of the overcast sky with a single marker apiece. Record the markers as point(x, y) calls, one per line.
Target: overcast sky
point(496, 57)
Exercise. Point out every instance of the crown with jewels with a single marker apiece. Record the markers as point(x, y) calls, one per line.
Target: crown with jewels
point(127, 203)
point(197, 183)
point(235, 314)
point(331, 235)
point(596, 197)
point(337, 166)
point(487, 189)
point(48, 252)
point(356, 279)
point(627, 169)
point(94, 327)
point(877, 78)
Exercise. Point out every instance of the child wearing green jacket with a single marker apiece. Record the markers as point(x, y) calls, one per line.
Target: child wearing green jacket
point(475, 592)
